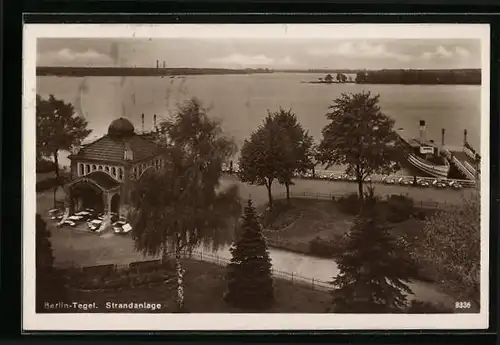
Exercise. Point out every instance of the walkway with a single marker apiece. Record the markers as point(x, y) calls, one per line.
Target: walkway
point(301, 186)
point(85, 249)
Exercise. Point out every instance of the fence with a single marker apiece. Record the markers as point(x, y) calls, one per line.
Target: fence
point(430, 205)
point(290, 276)
point(331, 175)
point(150, 265)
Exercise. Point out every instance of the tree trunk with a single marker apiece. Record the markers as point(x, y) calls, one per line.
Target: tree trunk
point(360, 189)
point(55, 191)
point(269, 194)
point(56, 163)
point(287, 186)
point(180, 279)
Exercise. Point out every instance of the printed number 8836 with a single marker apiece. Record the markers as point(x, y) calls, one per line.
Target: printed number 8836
point(462, 305)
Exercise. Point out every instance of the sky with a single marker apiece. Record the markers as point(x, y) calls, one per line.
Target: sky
point(293, 53)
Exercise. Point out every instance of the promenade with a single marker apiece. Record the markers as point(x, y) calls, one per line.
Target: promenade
point(304, 186)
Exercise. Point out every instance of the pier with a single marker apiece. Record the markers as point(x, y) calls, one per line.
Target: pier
point(465, 160)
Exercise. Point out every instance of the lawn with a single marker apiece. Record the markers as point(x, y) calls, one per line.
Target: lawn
point(294, 227)
point(305, 220)
point(204, 290)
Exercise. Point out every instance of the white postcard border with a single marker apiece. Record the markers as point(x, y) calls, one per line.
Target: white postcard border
point(118, 321)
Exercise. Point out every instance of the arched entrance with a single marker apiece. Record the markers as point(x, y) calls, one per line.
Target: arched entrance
point(97, 191)
point(86, 195)
point(115, 204)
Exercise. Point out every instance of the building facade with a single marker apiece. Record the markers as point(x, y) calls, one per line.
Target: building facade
point(103, 172)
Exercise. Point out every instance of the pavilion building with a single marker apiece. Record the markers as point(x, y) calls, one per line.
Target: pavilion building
point(104, 172)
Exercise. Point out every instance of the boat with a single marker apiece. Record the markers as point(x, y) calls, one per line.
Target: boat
point(425, 155)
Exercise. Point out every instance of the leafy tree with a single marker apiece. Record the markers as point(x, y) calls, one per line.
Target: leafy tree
point(451, 245)
point(359, 136)
point(49, 283)
point(179, 207)
point(278, 149)
point(57, 128)
point(261, 159)
point(341, 78)
point(361, 77)
point(250, 284)
point(374, 269)
point(297, 148)
point(329, 78)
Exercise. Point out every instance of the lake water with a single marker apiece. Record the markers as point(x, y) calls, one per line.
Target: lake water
point(242, 101)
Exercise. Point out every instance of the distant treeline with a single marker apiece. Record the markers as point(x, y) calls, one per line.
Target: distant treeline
point(432, 77)
point(420, 77)
point(322, 71)
point(138, 72)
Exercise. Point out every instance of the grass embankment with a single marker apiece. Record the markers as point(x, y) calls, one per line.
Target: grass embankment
point(296, 226)
point(204, 289)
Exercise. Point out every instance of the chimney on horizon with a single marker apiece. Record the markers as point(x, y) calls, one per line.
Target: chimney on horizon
point(163, 64)
point(157, 64)
point(442, 136)
point(154, 123)
point(142, 122)
point(465, 137)
point(422, 131)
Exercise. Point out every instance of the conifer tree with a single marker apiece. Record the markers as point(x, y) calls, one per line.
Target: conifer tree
point(374, 269)
point(250, 284)
point(50, 287)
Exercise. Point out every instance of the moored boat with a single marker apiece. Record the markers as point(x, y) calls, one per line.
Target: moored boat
point(425, 155)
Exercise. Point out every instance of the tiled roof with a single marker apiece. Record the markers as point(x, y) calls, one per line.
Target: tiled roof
point(105, 181)
point(110, 148)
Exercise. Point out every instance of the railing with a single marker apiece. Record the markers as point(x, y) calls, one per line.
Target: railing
point(470, 153)
point(463, 169)
point(470, 168)
point(446, 152)
point(469, 147)
point(294, 278)
point(330, 175)
point(432, 205)
point(212, 258)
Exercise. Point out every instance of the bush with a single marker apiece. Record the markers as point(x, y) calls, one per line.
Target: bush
point(327, 248)
point(269, 217)
point(421, 307)
point(321, 248)
point(399, 208)
point(349, 204)
point(50, 183)
point(424, 270)
point(108, 278)
point(421, 215)
point(45, 166)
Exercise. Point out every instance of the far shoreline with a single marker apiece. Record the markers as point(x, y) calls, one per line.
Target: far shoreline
point(384, 77)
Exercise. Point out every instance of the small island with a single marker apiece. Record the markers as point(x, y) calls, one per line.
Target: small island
point(329, 79)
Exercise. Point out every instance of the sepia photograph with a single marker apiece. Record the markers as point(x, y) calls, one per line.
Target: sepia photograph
point(255, 176)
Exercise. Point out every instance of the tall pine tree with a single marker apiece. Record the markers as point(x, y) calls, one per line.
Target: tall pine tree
point(50, 286)
point(374, 269)
point(250, 284)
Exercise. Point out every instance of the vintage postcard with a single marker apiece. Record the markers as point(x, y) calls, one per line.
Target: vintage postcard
point(256, 177)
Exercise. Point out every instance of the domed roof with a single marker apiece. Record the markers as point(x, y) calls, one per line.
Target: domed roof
point(121, 127)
